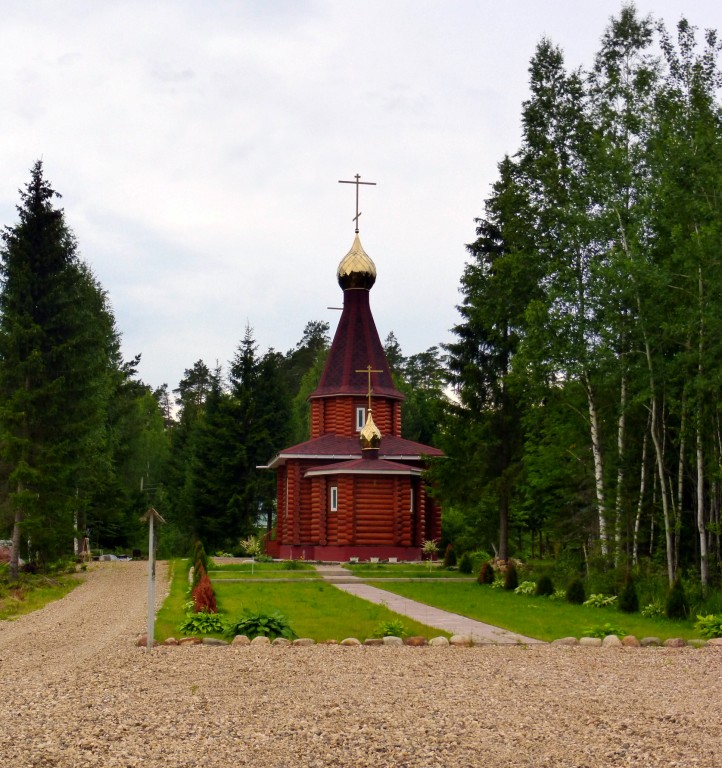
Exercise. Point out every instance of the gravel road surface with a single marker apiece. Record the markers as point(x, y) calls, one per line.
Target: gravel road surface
point(76, 692)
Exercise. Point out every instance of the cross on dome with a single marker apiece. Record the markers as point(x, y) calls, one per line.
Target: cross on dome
point(357, 182)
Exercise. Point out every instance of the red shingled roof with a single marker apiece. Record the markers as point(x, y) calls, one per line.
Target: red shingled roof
point(364, 467)
point(356, 345)
point(332, 446)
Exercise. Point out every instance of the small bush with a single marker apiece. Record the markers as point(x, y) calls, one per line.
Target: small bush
point(202, 623)
point(486, 574)
point(628, 598)
point(525, 588)
point(291, 565)
point(653, 610)
point(576, 593)
point(449, 557)
point(600, 601)
point(511, 578)
point(391, 628)
point(204, 598)
point(199, 555)
point(261, 624)
point(465, 565)
point(544, 587)
point(709, 626)
point(677, 606)
point(602, 632)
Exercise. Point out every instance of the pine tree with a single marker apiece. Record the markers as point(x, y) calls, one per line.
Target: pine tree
point(56, 340)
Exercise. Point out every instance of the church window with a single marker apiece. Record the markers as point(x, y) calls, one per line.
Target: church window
point(360, 418)
point(333, 499)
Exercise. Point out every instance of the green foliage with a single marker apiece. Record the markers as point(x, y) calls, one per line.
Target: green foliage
point(600, 601)
point(603, 631)
point(252, 546)
point(525, 588)
point(202, 623)
point(545, 586)
point(59, 364)
point(429, 547)
point(628, 598)
point(292, 565)
point(652, 610)
point(709, 626)
point(261, 624)
point(486, 573)
point(449, 557)
point(576, 593)
point(465, 565)
point(511, 578)
point(676, 606)
point(391, 628)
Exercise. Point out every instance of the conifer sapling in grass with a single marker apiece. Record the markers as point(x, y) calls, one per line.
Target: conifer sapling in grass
point(204, 598)
point(486, 574)
point(677, 606)
point(628, 599)
point(545, 586)
point(449, 557)
point(465, 564)
point(576, 594)
point(511, 578)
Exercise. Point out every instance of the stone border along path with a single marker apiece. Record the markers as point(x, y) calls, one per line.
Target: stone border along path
point(426, 614)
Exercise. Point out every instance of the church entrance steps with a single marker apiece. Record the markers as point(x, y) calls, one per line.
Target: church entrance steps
point(426, 614)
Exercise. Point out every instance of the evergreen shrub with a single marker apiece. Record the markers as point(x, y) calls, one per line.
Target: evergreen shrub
point(449, 557)
point(204, 598)
point(465, 565)
point(486, 574)
point(576, 593)
point(545, 586)
point(511, 578)
point(199, 555)
point(677, 606)
point(628, 598)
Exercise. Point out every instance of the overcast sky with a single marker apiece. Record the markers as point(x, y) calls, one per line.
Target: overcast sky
point(198, 148)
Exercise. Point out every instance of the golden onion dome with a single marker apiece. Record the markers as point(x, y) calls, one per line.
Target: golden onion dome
point(370, 435)
point(356, 269)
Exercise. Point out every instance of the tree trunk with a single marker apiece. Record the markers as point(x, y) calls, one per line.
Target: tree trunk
point(701, 527)
point(598, 465)
point(640, 500)
point(618, 521)
point(15, 554)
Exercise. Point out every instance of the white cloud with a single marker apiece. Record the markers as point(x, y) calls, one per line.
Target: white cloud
point(198, 148)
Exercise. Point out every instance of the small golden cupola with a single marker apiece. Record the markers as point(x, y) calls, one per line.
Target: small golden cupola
point(356, 269)
point(370, 437)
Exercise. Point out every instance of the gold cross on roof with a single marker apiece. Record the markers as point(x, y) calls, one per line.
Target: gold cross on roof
point(369, 370)
point(357, 182)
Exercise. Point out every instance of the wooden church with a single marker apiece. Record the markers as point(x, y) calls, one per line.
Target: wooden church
point(355, 489)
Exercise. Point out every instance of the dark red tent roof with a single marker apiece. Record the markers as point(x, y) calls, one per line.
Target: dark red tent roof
point(356, 345)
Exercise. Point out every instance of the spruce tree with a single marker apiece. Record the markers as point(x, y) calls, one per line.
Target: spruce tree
point(56, 336)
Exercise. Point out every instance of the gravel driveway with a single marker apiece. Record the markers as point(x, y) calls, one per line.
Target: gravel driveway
point(75, 692)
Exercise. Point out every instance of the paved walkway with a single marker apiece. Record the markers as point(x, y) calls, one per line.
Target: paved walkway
point(426, 614)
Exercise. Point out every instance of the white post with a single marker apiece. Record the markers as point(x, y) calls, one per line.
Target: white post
point(151, 583)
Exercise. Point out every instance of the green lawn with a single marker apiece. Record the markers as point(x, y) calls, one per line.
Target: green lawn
point(403, 571)
point(537, 617)
point(246, 570)
point(314, 609)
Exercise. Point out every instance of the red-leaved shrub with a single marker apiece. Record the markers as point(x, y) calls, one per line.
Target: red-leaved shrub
point(204, 598)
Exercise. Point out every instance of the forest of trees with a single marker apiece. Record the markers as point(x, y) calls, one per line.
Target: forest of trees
point(588, 356)
point(577, 401)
